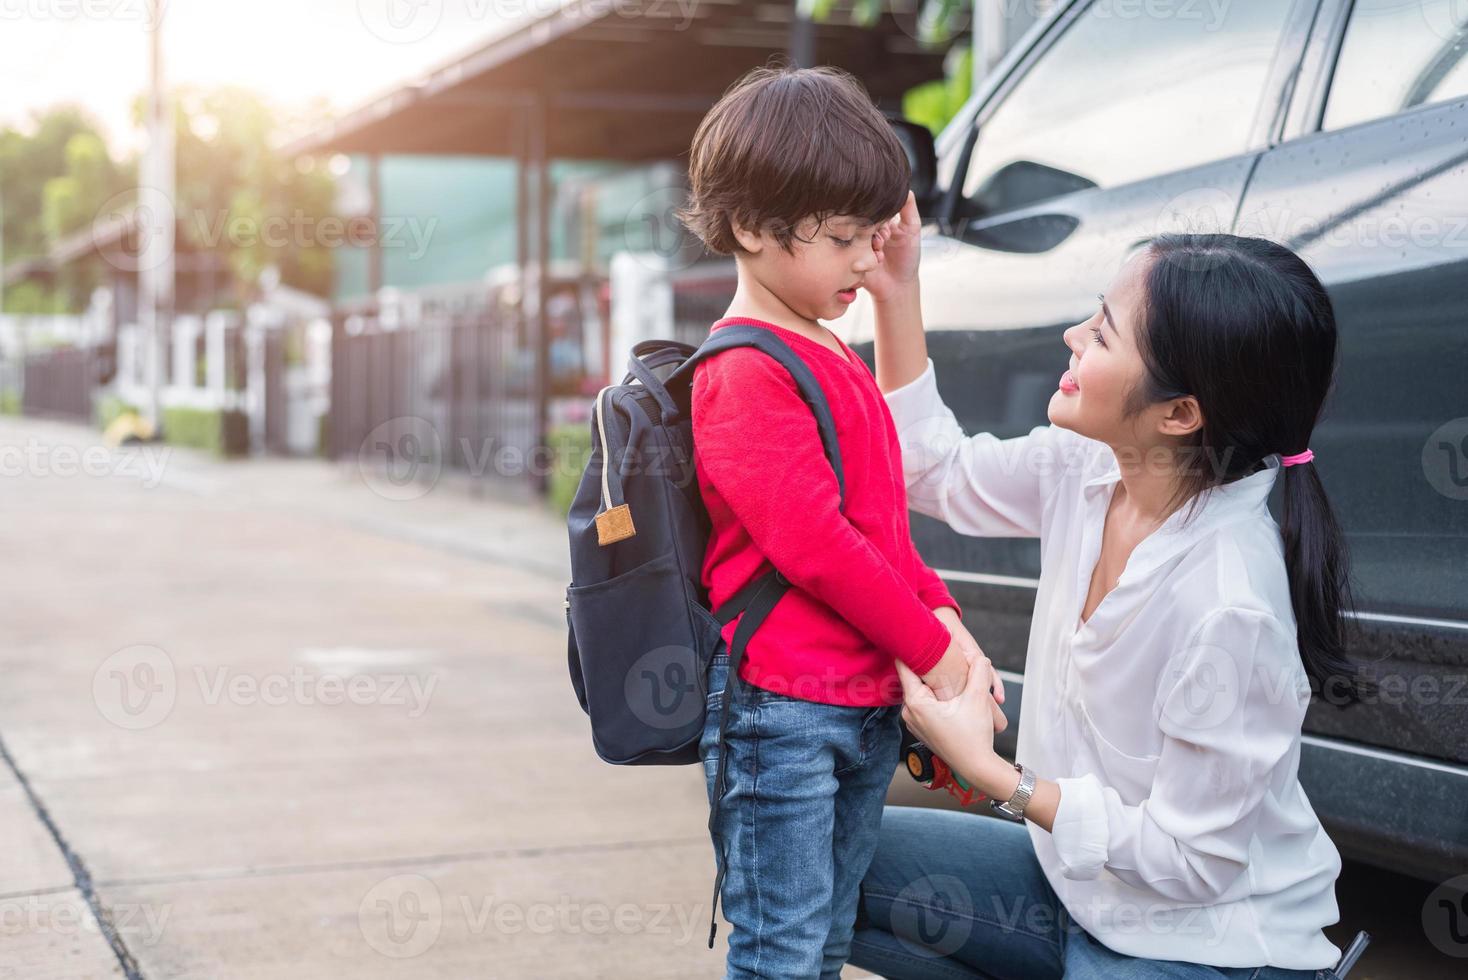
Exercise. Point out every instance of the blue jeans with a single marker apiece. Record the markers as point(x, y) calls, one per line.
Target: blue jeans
point(959, 896)
point(804, 788)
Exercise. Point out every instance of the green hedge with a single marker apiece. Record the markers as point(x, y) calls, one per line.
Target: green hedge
point(224, 433)
point(9, 402)
point(571, 449)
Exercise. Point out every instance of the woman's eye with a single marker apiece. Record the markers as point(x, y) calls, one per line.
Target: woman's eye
point(843, 242)
point(1097, 332)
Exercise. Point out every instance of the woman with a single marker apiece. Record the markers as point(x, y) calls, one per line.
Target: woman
point(1178, 630)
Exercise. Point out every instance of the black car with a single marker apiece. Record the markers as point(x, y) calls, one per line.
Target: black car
point(1337, 128)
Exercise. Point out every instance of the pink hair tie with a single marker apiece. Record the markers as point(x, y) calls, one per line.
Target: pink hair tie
point(1304, 457)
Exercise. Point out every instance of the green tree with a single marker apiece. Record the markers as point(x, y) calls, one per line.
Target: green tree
point(233, 186)
point(64, 142)
point(937, 23)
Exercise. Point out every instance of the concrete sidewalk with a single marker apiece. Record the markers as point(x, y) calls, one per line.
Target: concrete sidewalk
point(272, 722)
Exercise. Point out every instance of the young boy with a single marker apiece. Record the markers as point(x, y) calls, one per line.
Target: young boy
point(794, 172)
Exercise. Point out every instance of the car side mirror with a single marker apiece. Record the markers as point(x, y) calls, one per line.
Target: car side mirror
point(922, 158)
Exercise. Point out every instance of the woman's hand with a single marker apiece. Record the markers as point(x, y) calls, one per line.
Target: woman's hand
point(949, 617)
point(960, 730)
point(896, 242)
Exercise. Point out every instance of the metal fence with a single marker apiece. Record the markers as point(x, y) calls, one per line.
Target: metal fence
point(701, 294)
point(58, 383)
point(459, 380)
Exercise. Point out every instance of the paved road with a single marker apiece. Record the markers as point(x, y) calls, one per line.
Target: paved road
point(280, 719)
point(281, 725)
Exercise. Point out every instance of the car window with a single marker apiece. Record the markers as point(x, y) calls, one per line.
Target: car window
point(1397, 55)
point(1130, 91)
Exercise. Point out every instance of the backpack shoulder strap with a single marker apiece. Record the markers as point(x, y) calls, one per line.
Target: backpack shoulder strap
point(749, 335)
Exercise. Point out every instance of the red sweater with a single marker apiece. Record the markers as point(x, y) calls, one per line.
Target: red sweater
point(861, 595)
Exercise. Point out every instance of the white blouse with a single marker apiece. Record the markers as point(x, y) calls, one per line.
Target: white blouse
point(1170, 719)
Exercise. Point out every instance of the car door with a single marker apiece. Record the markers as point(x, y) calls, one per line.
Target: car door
point(1123, 120)
point(1370, 187)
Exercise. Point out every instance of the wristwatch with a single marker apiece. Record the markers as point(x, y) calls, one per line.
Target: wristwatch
point(1014, 807)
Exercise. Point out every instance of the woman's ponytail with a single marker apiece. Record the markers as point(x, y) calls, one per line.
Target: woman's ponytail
point(1246, 327)
point(1320, 591)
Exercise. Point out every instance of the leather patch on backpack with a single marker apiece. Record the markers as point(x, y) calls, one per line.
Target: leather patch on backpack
point(614, 525)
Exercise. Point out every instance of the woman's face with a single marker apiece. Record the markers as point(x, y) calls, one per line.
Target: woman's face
point(1106, 365)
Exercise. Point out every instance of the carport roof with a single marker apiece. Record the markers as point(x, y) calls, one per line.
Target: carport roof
point(619, 79)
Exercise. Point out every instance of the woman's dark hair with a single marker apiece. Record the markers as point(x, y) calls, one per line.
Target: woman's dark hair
point(784, 144)
point(1245, 327)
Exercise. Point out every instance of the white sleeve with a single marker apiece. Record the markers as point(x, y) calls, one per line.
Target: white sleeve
point(979, 485)
point(1231, 708)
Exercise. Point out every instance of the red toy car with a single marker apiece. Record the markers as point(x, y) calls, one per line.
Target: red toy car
point(934, 773)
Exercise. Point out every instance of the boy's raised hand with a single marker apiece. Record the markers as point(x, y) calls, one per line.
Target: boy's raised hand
point(897, 245)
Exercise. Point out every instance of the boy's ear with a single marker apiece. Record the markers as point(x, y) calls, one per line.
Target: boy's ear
point(748, 240)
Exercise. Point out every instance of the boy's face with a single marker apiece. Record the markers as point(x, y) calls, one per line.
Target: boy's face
point(819, 277)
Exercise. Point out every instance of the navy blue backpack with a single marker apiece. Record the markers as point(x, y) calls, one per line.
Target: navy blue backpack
point(641, 634)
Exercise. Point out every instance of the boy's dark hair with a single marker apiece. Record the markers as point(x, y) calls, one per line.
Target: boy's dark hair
point(784, 144)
